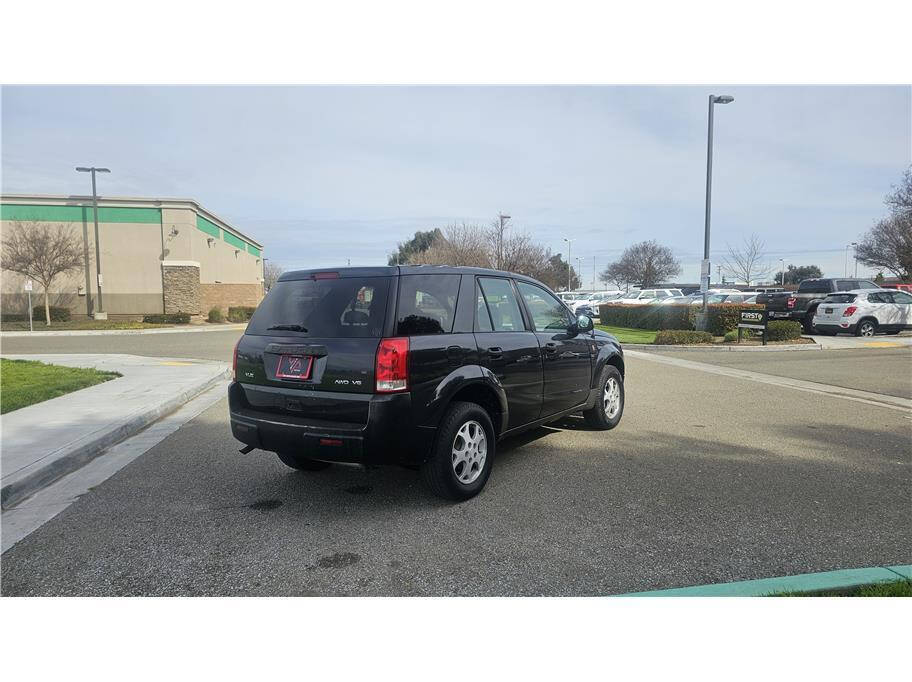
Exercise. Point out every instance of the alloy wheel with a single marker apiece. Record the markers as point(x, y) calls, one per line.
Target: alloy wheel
point(470, 450)
point(611, 398)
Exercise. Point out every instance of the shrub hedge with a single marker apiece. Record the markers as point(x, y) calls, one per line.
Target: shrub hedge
point(169, 318)
point(216, 315)
point(722, 318)
point(240, 313)
point(783, 330)
point(677, 336)
point(58, 314)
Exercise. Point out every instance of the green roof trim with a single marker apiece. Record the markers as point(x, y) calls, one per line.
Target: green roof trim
point(254, 250)
point(80, 213)
point(207, 226)
point(234, 241)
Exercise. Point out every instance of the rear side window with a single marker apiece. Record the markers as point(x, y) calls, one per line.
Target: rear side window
point(502, 304)
point(839, 298)
point(814, 286)
point(879, 298)
point(427, 304)
point(329, 308)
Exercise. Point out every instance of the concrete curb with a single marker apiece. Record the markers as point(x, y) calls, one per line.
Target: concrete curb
point(84, 452)
point(728, 347)
point(125, 332)
point(810, 583)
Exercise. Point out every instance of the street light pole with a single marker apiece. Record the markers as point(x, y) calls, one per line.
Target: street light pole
point(845, 262)
point(782, 271)
point(569, 262)
point(502, 219)
point(93, 170)
point(856, 259)
point(713, 100)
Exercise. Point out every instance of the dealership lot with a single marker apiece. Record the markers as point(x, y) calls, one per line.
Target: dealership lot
point(709, 478)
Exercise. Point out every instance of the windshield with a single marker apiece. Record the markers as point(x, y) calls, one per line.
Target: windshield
point(328, 308)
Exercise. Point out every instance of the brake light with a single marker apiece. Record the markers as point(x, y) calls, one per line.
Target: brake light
point(234, 361)
point(392, 365)
point(848, 312)
point(790, 303)
point(326, 275)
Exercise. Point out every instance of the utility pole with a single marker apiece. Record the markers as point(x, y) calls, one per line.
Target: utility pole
point(99, 314)
point(569, 262)
point(856, 259)
point(503, 218)
point(713, 100)
point(719, 274)
point(579, 268)
point(782, 269)
point(593, 273)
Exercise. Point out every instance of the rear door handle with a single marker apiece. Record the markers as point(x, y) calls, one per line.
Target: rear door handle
point(495, 352)
point(550, 347)
point(454, 354)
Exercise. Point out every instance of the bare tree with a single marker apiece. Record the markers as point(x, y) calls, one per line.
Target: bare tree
point(42, 252)
point(458, 244)
point(889, 243)
point(746, 264)
point(644, 264)
point(271, 272)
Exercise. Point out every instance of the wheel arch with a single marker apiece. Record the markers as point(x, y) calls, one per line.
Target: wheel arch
point(483, 394)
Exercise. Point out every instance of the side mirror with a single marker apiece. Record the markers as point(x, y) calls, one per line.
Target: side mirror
point(583, 324)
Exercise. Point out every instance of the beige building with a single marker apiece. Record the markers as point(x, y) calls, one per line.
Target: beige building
point(157, 255)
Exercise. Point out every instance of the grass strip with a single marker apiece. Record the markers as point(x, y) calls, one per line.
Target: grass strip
point(27, 382)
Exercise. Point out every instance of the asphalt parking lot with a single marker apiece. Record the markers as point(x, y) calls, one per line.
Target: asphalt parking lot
point(708, 478)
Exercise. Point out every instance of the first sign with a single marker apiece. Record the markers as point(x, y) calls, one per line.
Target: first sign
point(28, 285)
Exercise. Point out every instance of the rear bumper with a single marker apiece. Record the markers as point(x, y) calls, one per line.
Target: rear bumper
point(834, 328)
point(388, 437)
point(787, 314)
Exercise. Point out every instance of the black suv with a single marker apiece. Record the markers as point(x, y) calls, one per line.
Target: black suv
point(416, 365)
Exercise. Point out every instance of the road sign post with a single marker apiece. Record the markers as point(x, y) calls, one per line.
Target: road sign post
point(753, 319)
point(28, 289)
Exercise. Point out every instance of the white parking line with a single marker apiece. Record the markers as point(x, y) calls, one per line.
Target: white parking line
point(877, 399)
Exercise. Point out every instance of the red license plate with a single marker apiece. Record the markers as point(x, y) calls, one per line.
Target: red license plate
point(294, 367)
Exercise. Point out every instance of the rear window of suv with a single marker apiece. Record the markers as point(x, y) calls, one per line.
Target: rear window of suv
point(815, 286)
point(840, 298)
point(353, 307)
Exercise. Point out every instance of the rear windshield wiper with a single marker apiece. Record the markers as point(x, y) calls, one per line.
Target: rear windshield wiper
point(288, 328)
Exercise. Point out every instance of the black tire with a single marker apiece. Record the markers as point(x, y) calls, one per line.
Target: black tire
point(866, 327)
point(597, 417)
point(438, 471)
point(301, 463)
point(808, 322)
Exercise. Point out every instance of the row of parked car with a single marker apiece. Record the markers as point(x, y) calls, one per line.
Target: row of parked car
point(588, 303)
point(822, 306)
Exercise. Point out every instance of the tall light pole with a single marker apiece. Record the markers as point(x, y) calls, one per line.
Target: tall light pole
point(503, 218)
point(845, 262)
point(856, 258)
point(593, 273)
point(782, 271)
point(579, 268)
point(713, 100)
point(92, 169)
point(569, 262)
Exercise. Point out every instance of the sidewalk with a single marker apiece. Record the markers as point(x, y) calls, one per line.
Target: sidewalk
point(186, 329)
point(43, 442)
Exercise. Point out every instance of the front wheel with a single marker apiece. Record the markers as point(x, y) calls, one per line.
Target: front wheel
point(609, 406)
point(866, 328)
point(463, 454)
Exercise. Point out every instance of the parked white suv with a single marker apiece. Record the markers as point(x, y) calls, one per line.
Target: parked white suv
point(642, 296)
point(864, 312)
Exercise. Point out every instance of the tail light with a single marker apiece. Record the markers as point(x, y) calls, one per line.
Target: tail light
point(848, 312)
point(790, 303)
point(234, 361)
point(392, 365)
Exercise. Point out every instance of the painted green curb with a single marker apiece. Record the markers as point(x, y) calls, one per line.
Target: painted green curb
point(807, 582)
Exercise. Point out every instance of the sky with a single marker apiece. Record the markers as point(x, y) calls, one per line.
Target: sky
point(322, 175)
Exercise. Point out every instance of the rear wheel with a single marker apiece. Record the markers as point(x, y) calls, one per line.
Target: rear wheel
point(463, 454)
point(866, 328)
point(301, 463)
point(808, 322)
point(609, 406)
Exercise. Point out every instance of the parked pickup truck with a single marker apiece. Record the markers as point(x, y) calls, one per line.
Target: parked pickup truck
point(802, 304)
